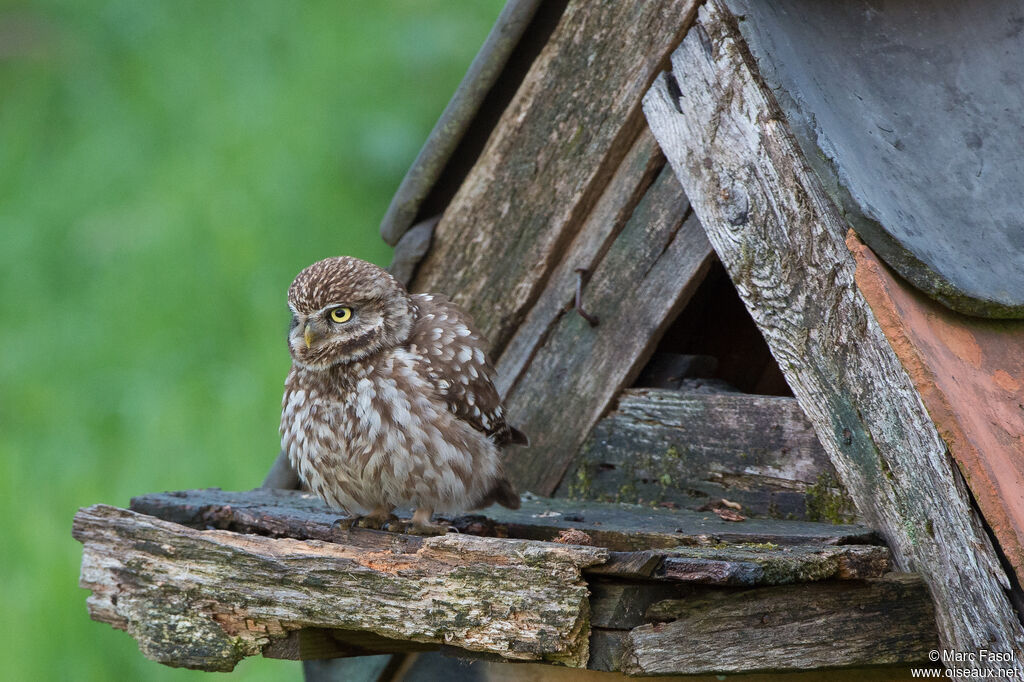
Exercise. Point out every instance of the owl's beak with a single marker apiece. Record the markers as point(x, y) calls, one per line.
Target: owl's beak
point(308, 335)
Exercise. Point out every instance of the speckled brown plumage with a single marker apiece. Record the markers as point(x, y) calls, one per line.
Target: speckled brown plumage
point(394, 406)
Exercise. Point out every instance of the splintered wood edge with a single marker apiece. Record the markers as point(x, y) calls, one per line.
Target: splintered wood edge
point(206, 599)
point(781, 239)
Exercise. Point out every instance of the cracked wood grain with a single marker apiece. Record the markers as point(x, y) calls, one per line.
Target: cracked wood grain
point(691, 447)
point(838, 624)
point(632, 178)
point(549, 158)
point(643, 280)
point(206, 599)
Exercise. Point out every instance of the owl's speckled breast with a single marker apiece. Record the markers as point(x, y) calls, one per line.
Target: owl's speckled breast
point(376, 433)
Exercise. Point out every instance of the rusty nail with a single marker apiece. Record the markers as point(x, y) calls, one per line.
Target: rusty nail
point(592, 319)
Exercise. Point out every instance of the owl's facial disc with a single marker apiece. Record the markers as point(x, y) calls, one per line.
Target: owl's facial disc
point(345, 309)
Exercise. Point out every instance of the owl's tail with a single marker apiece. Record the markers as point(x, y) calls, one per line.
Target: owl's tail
point(502, 493)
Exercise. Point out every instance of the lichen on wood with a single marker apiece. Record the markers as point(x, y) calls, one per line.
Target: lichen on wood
point(212, 576)
point(689, 448)
point(205, 599)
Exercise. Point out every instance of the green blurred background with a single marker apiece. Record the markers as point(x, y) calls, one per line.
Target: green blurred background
point(166, 168)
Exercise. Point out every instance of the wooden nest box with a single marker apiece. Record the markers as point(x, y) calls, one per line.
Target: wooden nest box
point(774, 399)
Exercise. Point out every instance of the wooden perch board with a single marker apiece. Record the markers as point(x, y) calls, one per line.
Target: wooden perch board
point(205, 599)
point(677, 546)
point(619, 527)
point(748, 564)
point(222, 575)
point(689, 448)
point(782, 241)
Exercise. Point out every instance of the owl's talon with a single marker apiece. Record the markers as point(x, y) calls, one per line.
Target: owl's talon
point(375, 522)
point(420, 523)
point(345, 523)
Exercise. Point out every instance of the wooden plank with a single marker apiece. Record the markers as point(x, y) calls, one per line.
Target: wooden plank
point(640, 284)
point(380, 668)
point(411, 249)
point(549, 158)
point(633, 527)
point(443, 140)
point(275, 513)
point(749, 565)
point(690, 448)
point(618, 527)
point(781, 239)
point(538, 672)
point(821, 625)
point(631, 180)
point(206, 599)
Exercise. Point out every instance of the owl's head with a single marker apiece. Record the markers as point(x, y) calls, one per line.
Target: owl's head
point(345, 309)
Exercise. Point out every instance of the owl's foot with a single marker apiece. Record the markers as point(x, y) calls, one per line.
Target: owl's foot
point(378, 519)
point(345, 523)
point(375, 522)
point(420, 524)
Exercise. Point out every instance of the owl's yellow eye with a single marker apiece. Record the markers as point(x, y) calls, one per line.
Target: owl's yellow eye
point(340, 315)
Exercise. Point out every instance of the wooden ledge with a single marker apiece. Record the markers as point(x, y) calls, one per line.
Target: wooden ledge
point(620, 527)
point(204, 578)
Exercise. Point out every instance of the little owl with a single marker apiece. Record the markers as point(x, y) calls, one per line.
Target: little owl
point(390, 400)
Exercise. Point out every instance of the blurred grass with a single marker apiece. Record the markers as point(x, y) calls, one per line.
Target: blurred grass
point(166, 168)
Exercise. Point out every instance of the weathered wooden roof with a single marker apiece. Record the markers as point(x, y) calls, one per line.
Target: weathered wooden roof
point(913, 115)
point(782, 238)
point(915, 131)
point(970, 374)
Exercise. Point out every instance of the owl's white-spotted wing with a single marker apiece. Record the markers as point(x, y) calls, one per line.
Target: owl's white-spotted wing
point(458, 367)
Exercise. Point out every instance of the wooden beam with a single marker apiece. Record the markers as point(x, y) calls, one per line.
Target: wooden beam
point(823, 625)
point(630, 182)
point(320, 643)
point(689, 448)
point(782, 241)
point(206, 599)
point(455, 120)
